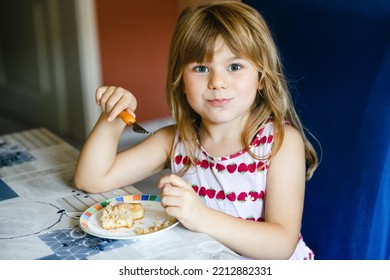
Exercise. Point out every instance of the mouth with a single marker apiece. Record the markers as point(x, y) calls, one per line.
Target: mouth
point(218, 102)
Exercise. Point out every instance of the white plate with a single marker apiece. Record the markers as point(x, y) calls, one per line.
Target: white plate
point(154, 214)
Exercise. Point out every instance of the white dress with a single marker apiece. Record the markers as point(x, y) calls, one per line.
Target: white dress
point(234, 184)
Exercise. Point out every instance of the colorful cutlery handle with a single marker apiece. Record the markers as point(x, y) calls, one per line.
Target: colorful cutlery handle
point(127, 118)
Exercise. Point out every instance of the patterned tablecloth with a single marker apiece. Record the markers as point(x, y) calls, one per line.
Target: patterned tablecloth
point(40, 210)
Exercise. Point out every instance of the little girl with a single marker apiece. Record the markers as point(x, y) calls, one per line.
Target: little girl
point(238, 153)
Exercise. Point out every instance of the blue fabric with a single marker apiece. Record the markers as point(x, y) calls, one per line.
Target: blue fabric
point(336, 55)
point(378, 243)
point(6, 192)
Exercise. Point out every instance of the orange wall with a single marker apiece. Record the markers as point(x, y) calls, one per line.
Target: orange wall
point(134, 41)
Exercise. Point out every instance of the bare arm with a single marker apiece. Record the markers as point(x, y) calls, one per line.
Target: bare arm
point(277, 237)
point(100, 168)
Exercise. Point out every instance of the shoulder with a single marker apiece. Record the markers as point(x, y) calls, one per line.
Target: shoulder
point(167, 131)
point(165, 135)
point(292, 136)
point(292, 149)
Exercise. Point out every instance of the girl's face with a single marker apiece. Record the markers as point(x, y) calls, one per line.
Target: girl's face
point(221, 90)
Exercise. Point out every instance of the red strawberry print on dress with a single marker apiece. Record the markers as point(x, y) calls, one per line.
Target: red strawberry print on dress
point(252, 167)
point(204, 164)
point(231, 196)
point(242, 196)
point(263, 140)
point(242, 168)
point(195, 188)
point(261, 165)
point(220, 167)
point(178, 159)
point(186, 160)
point(202, 192)
point(253, 194)
point(231, 168)
point(211, 193)
point(220, 195)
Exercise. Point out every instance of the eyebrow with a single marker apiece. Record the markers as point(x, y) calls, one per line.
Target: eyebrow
point(230, 59)
point(236, 58)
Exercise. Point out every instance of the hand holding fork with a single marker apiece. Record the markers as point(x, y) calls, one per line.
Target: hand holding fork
point(114, 99)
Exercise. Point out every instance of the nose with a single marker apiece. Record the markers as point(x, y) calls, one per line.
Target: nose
point(217, 80)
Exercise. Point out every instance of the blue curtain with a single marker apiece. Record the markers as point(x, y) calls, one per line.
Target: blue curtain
point(378, 112)
point(336, 55)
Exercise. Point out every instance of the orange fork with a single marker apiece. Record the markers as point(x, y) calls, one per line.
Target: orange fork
point(130, 120)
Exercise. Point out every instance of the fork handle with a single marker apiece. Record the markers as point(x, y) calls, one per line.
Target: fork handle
point(127, 117)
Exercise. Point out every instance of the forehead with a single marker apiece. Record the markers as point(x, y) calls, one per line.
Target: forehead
point(218, 47)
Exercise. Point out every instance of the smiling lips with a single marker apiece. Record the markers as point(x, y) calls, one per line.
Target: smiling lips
point(218, 102)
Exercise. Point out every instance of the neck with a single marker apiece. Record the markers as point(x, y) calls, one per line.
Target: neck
point(221, 139)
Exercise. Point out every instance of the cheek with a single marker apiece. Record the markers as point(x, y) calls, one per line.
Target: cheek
point(186, 84)
point(191, 89)
point(194, 100)
point(186, 81)
point(251, 86)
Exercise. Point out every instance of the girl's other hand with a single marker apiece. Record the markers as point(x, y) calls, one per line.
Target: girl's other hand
point(180, 201)
point(114, 100)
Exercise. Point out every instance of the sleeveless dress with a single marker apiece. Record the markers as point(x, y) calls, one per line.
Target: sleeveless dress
point(234, 184)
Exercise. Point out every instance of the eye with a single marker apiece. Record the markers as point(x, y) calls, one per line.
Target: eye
point(234, 67)
point(201, 69)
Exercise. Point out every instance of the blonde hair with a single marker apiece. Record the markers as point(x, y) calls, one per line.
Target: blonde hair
point(247, 35)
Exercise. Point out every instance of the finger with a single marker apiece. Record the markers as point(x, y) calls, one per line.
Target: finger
point(122, 102)
point(113, 105)
point(105, 97)
point(173, 180)
point(98, 94)
point(169, 190)
point(174, 212)
point(130, 102)
point(172, 201)
point(167, 193)
point(111, 97)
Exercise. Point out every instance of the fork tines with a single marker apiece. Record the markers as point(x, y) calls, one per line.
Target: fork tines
point(139, 129)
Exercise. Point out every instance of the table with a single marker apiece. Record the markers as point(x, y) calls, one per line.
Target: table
point(40, 210)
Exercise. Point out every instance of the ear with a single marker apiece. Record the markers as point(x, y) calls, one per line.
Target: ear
point(260, 85)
